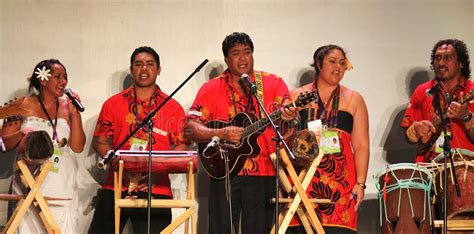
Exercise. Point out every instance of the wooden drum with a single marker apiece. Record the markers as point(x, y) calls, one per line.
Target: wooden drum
point(458, 207)
point(305, 149)
point(162, 161)
point(404, 194)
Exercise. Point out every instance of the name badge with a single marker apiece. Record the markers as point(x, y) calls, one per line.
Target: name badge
point(56, 159)
point(160, 131)
point(330, 142)
point(138, 144)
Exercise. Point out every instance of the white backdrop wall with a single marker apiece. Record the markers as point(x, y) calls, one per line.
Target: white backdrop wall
point(389, 43)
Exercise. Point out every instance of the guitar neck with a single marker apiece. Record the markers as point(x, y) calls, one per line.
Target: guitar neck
point(255, 127)
point(444, 115)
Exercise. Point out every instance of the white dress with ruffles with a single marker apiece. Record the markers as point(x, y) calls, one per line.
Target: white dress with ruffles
point(60, 182)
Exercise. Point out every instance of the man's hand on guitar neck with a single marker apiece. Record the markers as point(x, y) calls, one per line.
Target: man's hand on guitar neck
point(288, 113)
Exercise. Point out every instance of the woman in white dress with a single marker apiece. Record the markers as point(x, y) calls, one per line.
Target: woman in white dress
point(47, 110)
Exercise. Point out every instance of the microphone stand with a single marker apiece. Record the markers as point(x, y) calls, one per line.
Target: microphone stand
point(447, 155)
point(150, 150)
point(228, 186)
point(147, 121)
point(279, 139)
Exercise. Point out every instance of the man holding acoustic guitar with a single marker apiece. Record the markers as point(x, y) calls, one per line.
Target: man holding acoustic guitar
point(453, 87)
point(225, 111)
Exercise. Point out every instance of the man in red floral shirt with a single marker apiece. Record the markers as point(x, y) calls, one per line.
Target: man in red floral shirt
point(221, 99)
point(450, 62)
point(119, 116)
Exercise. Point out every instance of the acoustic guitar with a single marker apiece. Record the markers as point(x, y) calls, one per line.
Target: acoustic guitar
point(210, 157)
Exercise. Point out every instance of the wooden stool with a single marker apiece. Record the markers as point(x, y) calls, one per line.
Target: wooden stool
point(34, 195)
point(456, 225)
point(307, 216)
point(164, 164)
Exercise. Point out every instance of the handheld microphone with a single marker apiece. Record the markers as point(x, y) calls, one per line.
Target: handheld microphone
point(246, 79)
point(74, 100)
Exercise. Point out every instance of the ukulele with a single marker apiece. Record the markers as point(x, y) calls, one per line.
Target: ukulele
point(423, 148)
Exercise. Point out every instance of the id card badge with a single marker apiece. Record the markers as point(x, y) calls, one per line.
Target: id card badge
point(330, 141)
point(316, 126)
point(56, 159)
point(440, 142)
point(138, 144)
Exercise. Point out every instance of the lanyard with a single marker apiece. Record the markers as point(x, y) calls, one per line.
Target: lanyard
point(53, 124)
point(330, 119)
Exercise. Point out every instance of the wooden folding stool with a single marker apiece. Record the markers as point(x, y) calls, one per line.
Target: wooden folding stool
point(34, 197)
point(307, 215)
point(163, 162)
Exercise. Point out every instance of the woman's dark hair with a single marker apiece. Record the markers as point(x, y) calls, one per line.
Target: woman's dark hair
point(34, 79)
point(145, 49)
point(320, 53)
point(235, 38)
point(461, 51)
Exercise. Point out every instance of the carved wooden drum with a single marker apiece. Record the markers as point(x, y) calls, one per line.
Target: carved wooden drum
point(404, 192)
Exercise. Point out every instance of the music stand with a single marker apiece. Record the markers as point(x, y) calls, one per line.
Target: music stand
point(163, 162)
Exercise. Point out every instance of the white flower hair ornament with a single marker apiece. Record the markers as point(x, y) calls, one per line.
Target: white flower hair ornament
point(43, 74)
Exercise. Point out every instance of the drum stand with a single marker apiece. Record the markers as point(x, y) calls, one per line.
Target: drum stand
point(34, 196)
point(189, 204)
point(308, 218)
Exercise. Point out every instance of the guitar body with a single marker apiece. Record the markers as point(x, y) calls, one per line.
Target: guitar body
point(211, 159)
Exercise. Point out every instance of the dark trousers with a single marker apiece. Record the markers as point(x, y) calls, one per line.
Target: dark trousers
point(250, 205)
point(103, 221)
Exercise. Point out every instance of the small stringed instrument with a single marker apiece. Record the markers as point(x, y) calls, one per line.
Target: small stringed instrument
point(210, 157)
point(423, 148)
point(12, 108)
